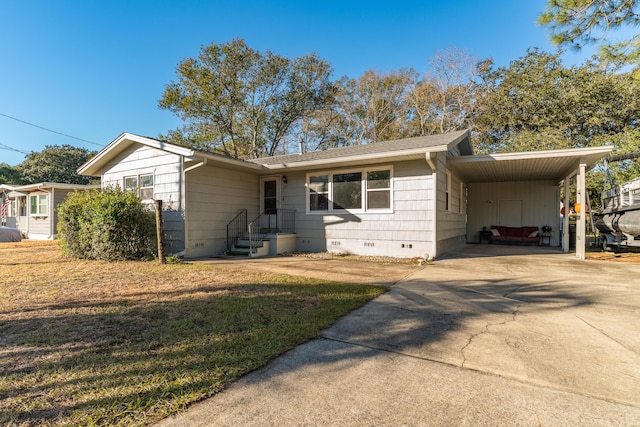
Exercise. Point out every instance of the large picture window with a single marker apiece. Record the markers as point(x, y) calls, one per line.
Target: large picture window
point(38, 204)
point(360, 191)
point(347, 190)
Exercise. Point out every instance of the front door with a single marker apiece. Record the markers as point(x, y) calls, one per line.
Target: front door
point(270, 203)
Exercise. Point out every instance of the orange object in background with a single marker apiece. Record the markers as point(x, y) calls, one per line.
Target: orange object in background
point(576, 208)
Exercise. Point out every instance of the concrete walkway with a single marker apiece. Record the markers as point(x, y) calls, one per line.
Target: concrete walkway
point(536, 339)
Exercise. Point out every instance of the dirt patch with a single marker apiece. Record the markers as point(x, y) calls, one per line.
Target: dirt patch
point(633, 257)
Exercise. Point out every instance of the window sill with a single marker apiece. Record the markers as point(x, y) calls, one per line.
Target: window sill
point(354, 212)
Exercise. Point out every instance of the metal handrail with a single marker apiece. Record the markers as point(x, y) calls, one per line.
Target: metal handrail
point(236, 228)
point(269, 222)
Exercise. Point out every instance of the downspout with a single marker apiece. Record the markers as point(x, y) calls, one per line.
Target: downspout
point(183, 200)
point(431, 161)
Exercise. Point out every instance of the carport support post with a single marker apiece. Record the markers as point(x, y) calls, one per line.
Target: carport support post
point(582, 199)
point(565, 217)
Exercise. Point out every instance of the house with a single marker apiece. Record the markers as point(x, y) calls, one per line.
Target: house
point(414, 197)
point(33, 207)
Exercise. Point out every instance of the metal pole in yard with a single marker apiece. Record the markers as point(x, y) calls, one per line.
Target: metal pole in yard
point(160, 232)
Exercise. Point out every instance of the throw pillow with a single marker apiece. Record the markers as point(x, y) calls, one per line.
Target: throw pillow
point(534, 234)
point(495, 232)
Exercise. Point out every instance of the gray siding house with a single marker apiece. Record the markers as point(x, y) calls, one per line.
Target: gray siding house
point(404, 198)
point(33, 207)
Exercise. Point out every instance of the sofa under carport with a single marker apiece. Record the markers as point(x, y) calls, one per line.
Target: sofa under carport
point(525, 234)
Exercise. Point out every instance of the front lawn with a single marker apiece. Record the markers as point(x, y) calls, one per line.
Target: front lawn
point(128, 343)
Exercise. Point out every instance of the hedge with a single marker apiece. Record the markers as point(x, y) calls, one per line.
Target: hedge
point(109, 224)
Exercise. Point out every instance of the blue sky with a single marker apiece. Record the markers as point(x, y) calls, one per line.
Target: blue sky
point(95, 69)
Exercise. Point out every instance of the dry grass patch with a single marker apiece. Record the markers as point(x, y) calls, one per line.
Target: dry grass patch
point(629, 257)
point(127, 343)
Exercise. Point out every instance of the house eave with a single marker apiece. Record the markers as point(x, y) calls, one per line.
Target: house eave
point(94, 166)
point(549, 165)
point(370, 158)
point(53, 185)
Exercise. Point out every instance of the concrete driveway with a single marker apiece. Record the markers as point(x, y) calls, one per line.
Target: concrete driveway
point(533, 339)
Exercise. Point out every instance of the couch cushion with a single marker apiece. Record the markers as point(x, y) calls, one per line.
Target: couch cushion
point(501, 229)
point(526, 231)
point(514, 232)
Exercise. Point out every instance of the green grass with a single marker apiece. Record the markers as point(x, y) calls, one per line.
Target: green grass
point(94, 343)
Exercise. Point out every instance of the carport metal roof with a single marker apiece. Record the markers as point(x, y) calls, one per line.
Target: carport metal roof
point(552, 165)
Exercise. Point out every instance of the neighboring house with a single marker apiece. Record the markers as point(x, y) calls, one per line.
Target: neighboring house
point(33, 207)
point(405, 198)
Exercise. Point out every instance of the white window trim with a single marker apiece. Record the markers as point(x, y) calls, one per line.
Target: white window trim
point(363, 188)
point(39, 214)
point(139, 188)
point(447, 191)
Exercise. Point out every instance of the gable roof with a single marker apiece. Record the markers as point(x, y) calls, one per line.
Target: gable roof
point(402, 149)
point(383, 151)
point(94, 166)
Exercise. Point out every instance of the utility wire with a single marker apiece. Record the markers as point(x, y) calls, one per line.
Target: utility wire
point(50, 130)
point(6, 147)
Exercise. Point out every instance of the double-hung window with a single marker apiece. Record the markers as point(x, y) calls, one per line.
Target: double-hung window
point(38, 204)
point(142, 184)
point(318, 193)
point(367, 190)
point(379, 189)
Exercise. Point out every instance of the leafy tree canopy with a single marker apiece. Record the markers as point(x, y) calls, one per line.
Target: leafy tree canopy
point(242, 102)
point(536, 103)
point(381, 106)
point(56, 163)
point(577, 23)
point(10, 175)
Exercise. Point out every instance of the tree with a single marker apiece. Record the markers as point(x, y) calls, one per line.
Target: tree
point(56, 163)
point(375, 106)
point(444, 100)
point(577, 23)
point(10, 175)
point(537, 103)
point(242, 102)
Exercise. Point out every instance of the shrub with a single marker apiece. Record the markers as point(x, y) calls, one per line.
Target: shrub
point(109, 224)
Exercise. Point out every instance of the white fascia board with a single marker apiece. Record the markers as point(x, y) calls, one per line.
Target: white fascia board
point(359, 159)
point(52, 185)
point(92, 167)
point(570, 152)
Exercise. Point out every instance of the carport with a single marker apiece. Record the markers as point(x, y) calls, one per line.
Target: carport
point(524, 189)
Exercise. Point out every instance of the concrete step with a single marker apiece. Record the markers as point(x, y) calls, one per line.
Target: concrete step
point(243, 248)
